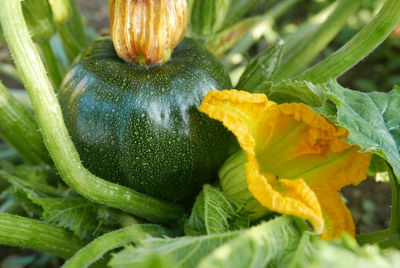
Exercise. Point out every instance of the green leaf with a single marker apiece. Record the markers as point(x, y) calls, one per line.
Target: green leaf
point(125, 259)
point(294, 91)
point(372, 120)
point(214, 212)
point(261, 68)
point(264, 244)
point(181, 252)
point(346, 253)
point(30, 178)
point(76, 214)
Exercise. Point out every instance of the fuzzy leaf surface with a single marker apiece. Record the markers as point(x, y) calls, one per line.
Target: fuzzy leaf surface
point(372, 120)
point(214, 213)
point(77, 214)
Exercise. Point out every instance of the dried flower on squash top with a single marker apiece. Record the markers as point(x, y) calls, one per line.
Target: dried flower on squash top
point(295, 160)
point(146, 32)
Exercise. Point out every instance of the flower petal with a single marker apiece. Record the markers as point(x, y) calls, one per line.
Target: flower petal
point(251, 117)
point(297, 160)
point(294, 197)
point(337, 216)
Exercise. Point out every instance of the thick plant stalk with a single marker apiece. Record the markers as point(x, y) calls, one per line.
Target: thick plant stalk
point(298, 58)
point(56, 137)
point(20, 130)
point(266, 21)
point(358, 47)
point(97, 248)
point(34, 234)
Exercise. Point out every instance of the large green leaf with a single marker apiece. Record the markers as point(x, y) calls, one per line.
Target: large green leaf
point(293, 91)
point(254, 247)
point(372, 120)
point(259, 246)
point(178, 252)
point(214, 212)
point(347, 254)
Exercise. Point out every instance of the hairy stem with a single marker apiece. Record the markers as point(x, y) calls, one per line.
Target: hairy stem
point(56, 137)
point(97, 248)
point(298, 58)
point(34, 234)
point(266, 22)
point(358, 47)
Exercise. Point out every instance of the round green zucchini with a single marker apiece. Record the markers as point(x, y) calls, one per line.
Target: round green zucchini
point(139, 126)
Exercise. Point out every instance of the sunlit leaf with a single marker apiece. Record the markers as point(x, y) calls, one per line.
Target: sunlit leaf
point(181, 252)
point(257, 247)
point(293, 91)
point(372, 120)
point(347, 254)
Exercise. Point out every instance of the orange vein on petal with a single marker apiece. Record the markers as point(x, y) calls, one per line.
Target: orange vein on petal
point(291, 152)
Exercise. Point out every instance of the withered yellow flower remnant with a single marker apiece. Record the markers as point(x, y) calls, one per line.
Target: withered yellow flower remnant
point(145, 32)
point(297, 161)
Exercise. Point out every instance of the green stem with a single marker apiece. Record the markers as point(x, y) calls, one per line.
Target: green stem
point(72, 32)
point(70, 44)
point(392, 234)
point(307, 28)
point(358, 47)
point(56, 137)
point(251, 37)
point(395, 211)
point(298, 58)
point(28, 233)
point(97, 248)
point(76, 24)
point(374, 237)
point(20, 130)
point(51, 64)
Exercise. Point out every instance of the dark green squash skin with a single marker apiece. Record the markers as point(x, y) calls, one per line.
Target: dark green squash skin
point(140, 126)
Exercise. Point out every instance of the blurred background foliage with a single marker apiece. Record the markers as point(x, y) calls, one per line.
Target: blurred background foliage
point(247, 29)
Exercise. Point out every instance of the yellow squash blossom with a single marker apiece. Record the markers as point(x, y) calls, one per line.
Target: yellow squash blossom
point(297, 161)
